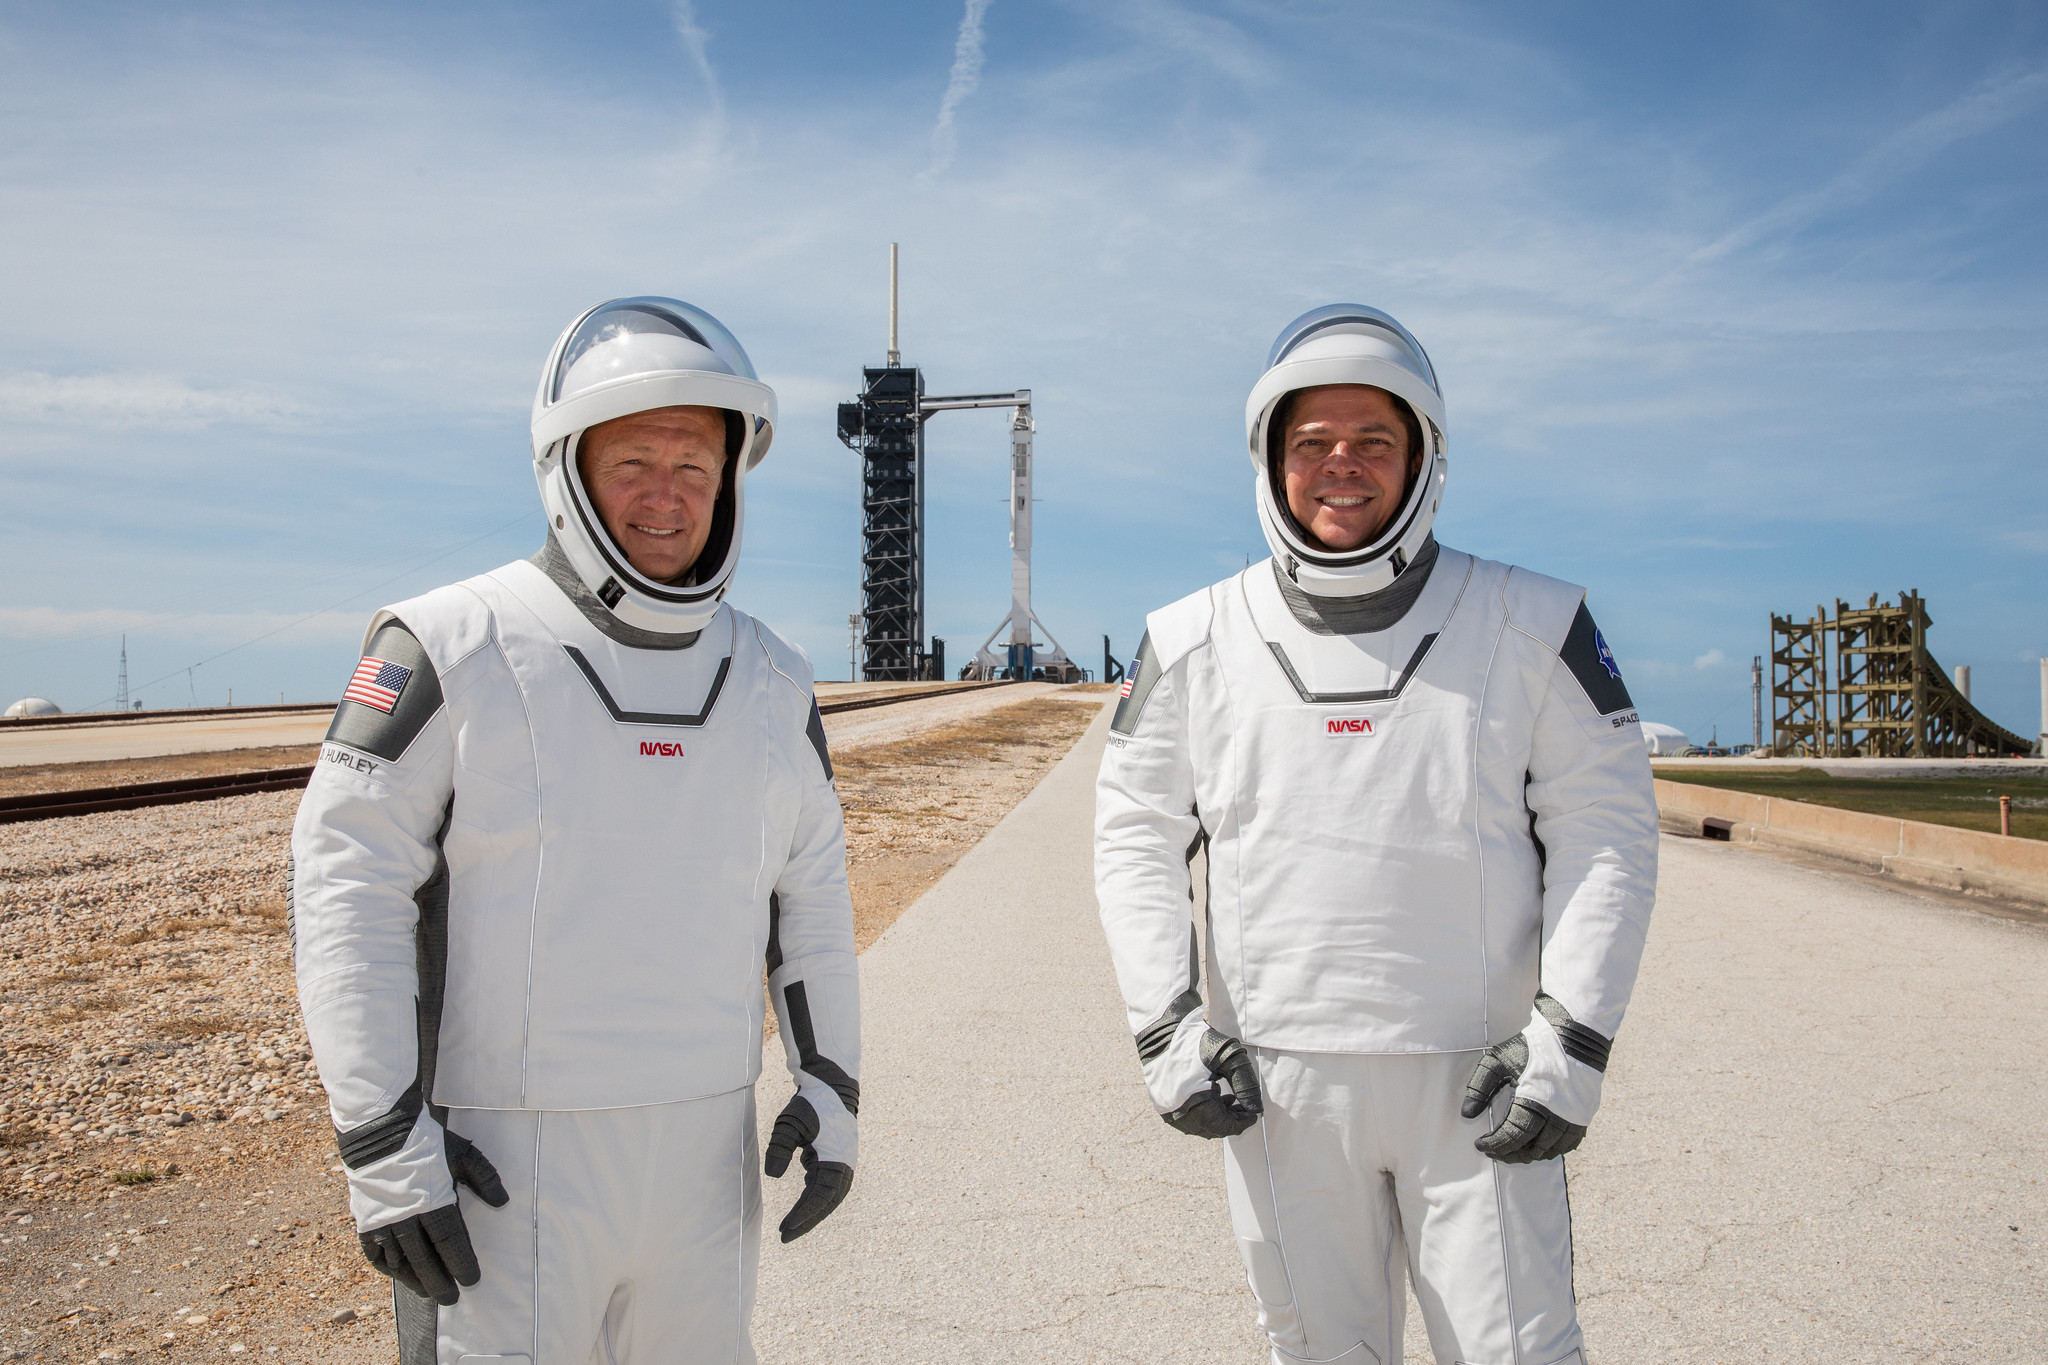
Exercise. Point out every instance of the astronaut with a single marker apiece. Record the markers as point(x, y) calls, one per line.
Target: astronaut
point(1430, 859)
point(567, 813)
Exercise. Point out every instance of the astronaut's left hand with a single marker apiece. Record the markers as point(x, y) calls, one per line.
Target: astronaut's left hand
point(1555, 1066)
point(825, 1182)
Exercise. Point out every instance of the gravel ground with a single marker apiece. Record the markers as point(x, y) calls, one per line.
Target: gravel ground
point(163, 1138)
point(167, 1175)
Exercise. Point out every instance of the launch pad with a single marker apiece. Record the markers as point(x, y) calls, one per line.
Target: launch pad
point(885, 425)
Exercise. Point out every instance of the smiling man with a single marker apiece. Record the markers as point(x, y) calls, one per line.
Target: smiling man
point(1431, 852)
point(568, 813)
point(655, 478)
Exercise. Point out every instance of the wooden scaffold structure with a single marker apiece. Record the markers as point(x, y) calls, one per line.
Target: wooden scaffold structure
point(1889, 697)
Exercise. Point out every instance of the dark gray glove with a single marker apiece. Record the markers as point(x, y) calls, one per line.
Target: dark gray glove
point(1215, 1112)
point(1530, 1132)
point(825, 1182)
point(430, 1253)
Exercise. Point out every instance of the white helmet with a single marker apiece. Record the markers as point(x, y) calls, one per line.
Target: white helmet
point(1347, 343)
point(634, 355)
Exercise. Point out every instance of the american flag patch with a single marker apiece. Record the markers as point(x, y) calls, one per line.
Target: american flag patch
point(1130, 678)
point(377, 683)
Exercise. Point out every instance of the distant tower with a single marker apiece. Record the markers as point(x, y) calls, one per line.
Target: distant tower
point(1756, 700)
point(886, 427)
point(121, 684)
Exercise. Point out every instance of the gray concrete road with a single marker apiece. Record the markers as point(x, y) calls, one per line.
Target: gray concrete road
point(1821, 1139)
point(1821, 1130)
point(1016, 1199)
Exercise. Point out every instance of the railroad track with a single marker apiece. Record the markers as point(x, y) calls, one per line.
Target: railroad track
point(833, 708)
point(136, 795)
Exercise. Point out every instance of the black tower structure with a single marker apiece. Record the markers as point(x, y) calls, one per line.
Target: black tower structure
point(886, 427)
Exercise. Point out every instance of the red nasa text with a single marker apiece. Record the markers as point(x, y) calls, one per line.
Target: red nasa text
point(1349, 725)
point(660, 748)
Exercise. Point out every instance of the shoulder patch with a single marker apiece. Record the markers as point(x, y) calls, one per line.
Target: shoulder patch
point(1586, 654)
point(390, 698)
point(1139, 680)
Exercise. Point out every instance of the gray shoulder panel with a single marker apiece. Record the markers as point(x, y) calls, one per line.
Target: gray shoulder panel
point(815, 729)
point(1586, 654)
point(1139, 680)
point(373, 720)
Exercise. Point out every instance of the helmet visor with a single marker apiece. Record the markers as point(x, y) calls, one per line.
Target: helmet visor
point(644, 335)
point(1355, 318)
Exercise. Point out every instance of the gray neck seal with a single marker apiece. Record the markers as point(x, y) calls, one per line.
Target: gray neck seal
point(555, 564)
point(1359, 615)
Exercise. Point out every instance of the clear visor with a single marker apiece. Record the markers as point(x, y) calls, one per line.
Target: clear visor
point(644, 336)
point(1338, 319)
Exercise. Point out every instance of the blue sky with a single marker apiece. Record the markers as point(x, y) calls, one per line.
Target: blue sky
point(1737, 308)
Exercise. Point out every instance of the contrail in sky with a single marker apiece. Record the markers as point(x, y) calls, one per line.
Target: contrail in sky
point(684, 16)
point(966, 76)
point(1993, 103)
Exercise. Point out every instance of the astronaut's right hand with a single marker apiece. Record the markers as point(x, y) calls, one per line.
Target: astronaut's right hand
point(429, 1253)
point(402, 1181)
point(1220, 1112)
point(826, 1181)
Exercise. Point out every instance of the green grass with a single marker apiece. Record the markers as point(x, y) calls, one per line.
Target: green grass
point(146, 1174)
point(1965, 802)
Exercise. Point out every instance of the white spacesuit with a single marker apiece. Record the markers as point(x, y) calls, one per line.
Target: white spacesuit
point(563, 820)
point(1431, 853)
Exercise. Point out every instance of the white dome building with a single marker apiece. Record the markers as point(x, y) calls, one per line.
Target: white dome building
point(1664, 741)
point(33, 706)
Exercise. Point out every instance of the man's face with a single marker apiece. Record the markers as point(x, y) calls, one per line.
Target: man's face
point(1345, 463)
point(654, 477)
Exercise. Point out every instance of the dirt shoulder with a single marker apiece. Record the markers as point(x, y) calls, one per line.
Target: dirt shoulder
point(168, 1184)
point(71, 777)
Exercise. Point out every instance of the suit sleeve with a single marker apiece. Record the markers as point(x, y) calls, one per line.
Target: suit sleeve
point(813, 978)
point(366, 841)
point(1595, 814)
point(1146, 835)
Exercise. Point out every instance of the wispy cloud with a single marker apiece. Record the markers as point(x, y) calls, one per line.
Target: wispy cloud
point(1713, 658)
point(964, 80)
point(696, 40)
point(1996, 101)
point(1202, 38)
point(133, 400)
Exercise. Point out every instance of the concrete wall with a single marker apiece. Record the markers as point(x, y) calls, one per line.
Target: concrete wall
point(1933, 855)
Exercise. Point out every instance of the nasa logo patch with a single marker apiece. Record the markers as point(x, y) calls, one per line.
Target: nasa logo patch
point(1606, 656)
point(1340, 727)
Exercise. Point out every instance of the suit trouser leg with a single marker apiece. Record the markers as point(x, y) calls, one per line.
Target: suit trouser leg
point(632, 1235)
point(1316, 1219)
point(1361, 1169)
